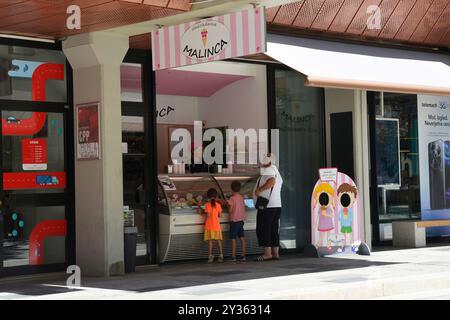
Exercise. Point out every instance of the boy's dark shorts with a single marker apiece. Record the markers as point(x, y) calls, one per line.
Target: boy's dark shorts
point(236, 229)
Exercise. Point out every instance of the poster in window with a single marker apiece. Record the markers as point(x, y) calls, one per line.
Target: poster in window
point(34, 154)
point(434, 159)
point(88, 131)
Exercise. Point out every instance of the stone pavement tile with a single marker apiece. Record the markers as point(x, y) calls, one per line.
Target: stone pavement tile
point(293, 277)
point(442, 294)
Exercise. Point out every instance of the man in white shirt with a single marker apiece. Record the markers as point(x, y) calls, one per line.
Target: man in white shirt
point(268, 220)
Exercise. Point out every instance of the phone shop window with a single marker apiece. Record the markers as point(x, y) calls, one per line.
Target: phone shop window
point(397, 156)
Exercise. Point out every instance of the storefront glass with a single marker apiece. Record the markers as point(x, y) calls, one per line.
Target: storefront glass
point(397, 156)
point(133, 179)
point(131, 82)
point(299, 118)
point(20, 65)
point(36, 219)
point(33, 188)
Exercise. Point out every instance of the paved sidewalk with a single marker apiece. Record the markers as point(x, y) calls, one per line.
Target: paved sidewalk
point(414, 273)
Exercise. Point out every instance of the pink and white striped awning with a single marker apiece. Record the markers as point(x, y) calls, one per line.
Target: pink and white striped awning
point(233, 35)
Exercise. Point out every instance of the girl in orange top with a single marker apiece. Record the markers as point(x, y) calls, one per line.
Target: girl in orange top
point(213, 231)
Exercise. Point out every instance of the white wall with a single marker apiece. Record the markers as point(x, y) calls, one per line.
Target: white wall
point(242, 104)
point(186, 109)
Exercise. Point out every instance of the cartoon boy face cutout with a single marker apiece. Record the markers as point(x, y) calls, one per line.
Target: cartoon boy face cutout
point(346, 199)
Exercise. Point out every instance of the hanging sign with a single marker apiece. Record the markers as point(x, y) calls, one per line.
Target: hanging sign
point(335, 215)
point(328, 174)
point(233, 35)
point(34, 154)
point(88, 134)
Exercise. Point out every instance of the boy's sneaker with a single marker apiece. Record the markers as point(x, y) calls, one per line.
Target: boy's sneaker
point(233, 259)
point(221, 258)
point(211, 259)
point(243, 259)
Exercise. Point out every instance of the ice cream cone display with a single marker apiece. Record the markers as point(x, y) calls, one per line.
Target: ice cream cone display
point(204, 36)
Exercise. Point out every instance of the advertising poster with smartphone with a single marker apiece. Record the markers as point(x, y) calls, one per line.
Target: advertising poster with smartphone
point(88, 134)
point(434, 157)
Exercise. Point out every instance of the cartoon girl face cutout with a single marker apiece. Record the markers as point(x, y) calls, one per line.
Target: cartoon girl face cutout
point(323, 195)
point(324, 199)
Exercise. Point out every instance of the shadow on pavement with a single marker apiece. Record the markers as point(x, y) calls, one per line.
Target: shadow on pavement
point(194, 273)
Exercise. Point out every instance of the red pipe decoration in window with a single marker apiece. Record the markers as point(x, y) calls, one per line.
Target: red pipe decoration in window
point(43, 230)
point(46, 71)
point(24, 127)
point(34, 124)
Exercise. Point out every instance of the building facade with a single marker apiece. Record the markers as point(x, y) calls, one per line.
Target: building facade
point(87, 125)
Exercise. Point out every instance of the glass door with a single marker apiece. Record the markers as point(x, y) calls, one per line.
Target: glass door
point(138, 152)
point(34, 198)
point(134, 182)
point(298, 114)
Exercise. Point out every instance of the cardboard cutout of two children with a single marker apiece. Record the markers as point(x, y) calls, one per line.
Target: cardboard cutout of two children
point(335, 214)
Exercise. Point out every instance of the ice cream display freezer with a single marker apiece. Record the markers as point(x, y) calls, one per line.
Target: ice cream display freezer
point(180, 225)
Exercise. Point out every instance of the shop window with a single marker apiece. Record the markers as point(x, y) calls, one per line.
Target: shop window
point(299, 120)
point(397, 156)
point(34, 184)
point(131, 82)
point(34, 235)
point(26, 152)
point(20, 69)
